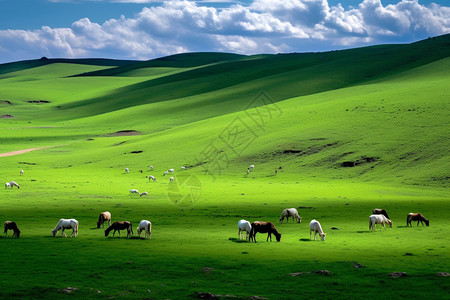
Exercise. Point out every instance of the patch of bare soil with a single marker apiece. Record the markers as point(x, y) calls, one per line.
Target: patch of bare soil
point(125, 133)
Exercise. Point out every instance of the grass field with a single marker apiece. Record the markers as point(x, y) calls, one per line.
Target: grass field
point(381, 110)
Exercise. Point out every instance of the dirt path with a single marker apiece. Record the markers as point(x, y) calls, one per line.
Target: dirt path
point(17, 152)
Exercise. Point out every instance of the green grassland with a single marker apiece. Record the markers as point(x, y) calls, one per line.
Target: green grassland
point(383, 108)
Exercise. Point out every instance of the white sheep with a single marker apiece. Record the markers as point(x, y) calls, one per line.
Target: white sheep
point(134, 191)
point(143, 194)
point(172, 179)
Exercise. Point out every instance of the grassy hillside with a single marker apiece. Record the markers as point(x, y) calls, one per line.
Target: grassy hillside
point(352, 130)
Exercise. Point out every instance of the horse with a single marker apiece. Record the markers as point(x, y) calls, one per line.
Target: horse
point(9, 185)
point(102, 218)
point(64, 224)
point(290, 212)
point(378, 219)
point(147, 226)
point(13, 226)
point(244, 225)
point(314, 226)
point(380, 211)
point(264, 227)
point(118, 226)
point(416, 217)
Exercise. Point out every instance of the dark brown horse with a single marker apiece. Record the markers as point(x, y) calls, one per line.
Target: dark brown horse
point(264, 227)
point(416, 217)
point(118, 226)
point(13, 226)
point(380, 211)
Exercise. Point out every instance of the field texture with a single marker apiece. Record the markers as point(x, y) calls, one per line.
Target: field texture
point(333, 134)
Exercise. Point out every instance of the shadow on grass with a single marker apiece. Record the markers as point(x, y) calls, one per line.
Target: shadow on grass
point(305, 240)
point(235, 240)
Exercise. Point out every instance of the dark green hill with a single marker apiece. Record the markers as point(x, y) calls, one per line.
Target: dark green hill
point(282, 76)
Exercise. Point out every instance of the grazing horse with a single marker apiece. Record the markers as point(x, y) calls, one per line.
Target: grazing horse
point(118, 226)
point(290, 212)
point(64, 224)
point(378, 219)
point(264, 227)
point(314, 226)
point(9, 185)
point(416, 217)
point(244, 225)
point(104, 217)
point(380, 211)
point(146, 226)
point(13, 226)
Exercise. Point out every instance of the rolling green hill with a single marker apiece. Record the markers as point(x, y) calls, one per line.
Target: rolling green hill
point(334, 134)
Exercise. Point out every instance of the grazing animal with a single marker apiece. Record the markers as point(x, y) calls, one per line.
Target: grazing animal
point(140, 171)
point(183, 168)
point(171, 170)
point(118, 226)
point(290, 212)
point(380, 211)
point(146, 226)
point(251, 168)
point(314, 226)
point(134, 191)
point(143, 194)
point(13, 226)
point(151, 168)
point(378, 219)
point(9, 185)
point(165, 173)
point(127, 170)
point(244, 225)
point(104, 217)
point(64, 224)
point(248, 172)
point(416, 217)
point(172, 179)
point(264, 227)
point(151, 177)
point(21, 172)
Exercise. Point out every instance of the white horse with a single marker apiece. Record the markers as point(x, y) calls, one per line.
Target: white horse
point(314, 225)
point(64, 224)
point(378, 219)
point(143, 194)
point(151, 177)
point(244, 225)
point(147, 226)
point(290, 212)
point(134, 191)
point(127, 170)
point(9, 185)
point(172, 179)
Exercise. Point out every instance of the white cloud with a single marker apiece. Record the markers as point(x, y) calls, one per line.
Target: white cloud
point(264, 26)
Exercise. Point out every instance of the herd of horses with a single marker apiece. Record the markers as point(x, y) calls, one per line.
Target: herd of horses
point(104, 217)
point(379, 216)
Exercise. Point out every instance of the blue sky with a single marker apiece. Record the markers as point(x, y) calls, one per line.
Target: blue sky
point(145, 29)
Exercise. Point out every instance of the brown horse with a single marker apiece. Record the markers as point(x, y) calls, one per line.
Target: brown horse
point(416, 217)
point(118, 226)
point(13, 226)
point(264, 227)
point(380, 211)
point(104, 217)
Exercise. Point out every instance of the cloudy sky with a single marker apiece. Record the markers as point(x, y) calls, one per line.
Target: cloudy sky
point(145, 29)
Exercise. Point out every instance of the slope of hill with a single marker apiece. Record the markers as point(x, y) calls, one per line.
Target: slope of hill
point(378, 113)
